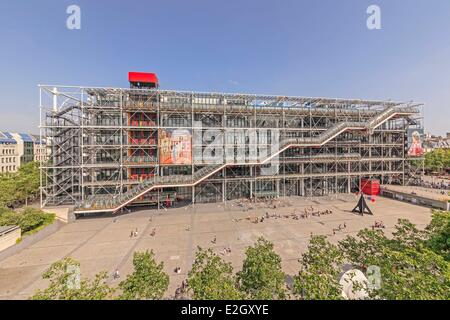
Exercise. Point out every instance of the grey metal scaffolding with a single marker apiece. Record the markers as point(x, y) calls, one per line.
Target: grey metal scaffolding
point(314, 146)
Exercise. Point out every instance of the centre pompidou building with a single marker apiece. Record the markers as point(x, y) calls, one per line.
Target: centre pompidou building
point(112, 148)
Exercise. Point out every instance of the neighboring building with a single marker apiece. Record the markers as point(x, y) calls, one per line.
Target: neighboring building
point(114, 147)
point(432, 142)
point(9, 153)
point(17, 149)
point(25, 145)
point(40, 150)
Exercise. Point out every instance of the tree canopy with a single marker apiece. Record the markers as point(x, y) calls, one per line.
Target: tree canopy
point(438, 239)
point(437, 160)
point(148, 281)
point(29, 219)
point(66, 284)
point(261, 277)
point(409, 268)
point(19, 187)
point(318, 278)
point(211, 278)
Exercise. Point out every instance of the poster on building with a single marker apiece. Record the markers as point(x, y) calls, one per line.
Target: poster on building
point(415, 141)
point(175, 146)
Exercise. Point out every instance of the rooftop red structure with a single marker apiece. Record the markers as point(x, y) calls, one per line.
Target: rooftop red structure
point(143, 79)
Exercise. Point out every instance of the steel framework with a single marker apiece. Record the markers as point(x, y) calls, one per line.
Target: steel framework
point(105, 153)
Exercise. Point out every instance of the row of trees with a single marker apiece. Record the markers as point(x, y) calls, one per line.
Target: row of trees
point(413, 264)
point(28, 219)
point(437, 160)
point(17, 189)
point(20, 187)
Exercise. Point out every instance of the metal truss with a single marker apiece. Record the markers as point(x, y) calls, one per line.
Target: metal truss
point(104, 146)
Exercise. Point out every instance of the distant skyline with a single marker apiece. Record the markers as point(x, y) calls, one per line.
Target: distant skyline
point(293, 47)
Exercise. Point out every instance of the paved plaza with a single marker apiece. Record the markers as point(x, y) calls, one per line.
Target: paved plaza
point(104, 243)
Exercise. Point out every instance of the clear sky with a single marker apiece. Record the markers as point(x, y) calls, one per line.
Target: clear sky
point(295, 47)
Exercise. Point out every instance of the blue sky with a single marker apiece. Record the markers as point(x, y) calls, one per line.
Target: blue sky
point(294, 47)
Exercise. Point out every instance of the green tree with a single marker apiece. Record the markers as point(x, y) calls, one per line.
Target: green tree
point(439, 234)
point(64, 284)
point(413, 275)
point(148, 280)
point(437, 160)
point(28, 220)
point(7, 190)
point(363, 250)
point(408, 269)
point(321, 265)
point(19, 187)
point(211, 278)
point(406, 234)
point(28, 182)
point(262, 277)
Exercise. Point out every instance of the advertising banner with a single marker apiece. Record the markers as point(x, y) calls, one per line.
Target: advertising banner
point(175, 146)
point(415, 140)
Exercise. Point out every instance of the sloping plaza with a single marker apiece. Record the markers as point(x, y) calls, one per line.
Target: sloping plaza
point(107, 243)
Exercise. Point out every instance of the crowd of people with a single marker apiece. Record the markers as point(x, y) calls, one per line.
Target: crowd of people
point(225, 251)
point(378, 225)
point(340, 228)
point(308, 212)
point(311, 212)
point(134, 233)
point(439, 185)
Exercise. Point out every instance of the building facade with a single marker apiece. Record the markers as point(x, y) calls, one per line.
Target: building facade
point(25, 147)
point(9, 153)
point(436, 142)
point(113, 147)
point(40, 149)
